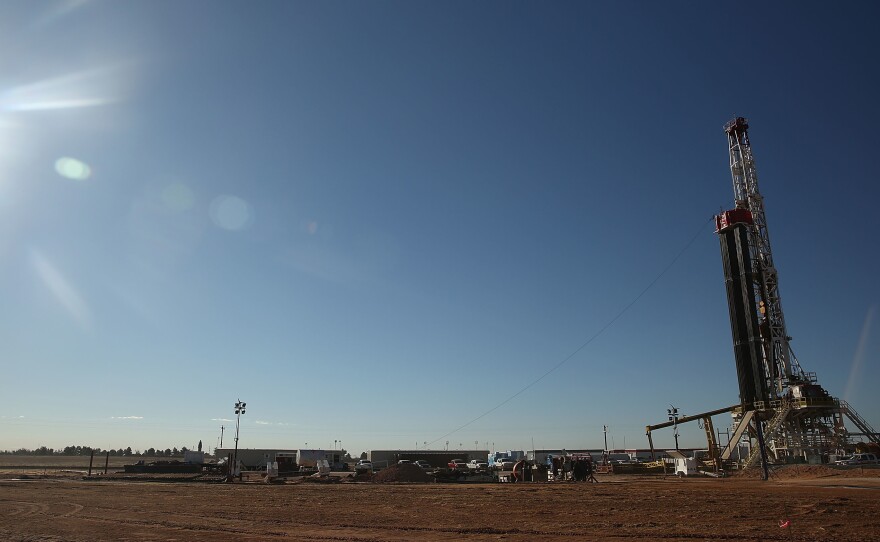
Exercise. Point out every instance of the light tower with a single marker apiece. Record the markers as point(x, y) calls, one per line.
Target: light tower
point(239, 410)
point(672, 414)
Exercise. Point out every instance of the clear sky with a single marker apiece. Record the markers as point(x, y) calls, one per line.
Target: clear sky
point(376, 221)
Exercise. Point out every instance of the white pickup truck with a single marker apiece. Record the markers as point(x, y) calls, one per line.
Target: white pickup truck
point(504, 463)
point(476, 464)
point(858, 459)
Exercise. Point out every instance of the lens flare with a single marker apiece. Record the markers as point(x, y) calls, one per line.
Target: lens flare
point(62, 289)
point(230, 213)
point(178, 197)
point(73, 169)
point(85, 88)
point(859, 357)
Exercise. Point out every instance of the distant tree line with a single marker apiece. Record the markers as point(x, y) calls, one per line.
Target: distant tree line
point(87, 450)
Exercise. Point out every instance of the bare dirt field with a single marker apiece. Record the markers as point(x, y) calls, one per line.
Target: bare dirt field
point(819, 506)
point(32, 463)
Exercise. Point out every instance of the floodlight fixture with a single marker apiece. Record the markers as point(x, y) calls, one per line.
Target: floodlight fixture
point(239, 410)
point(672, 411)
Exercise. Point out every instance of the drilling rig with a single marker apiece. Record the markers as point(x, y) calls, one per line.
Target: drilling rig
point(783, 409)
point(784, 413)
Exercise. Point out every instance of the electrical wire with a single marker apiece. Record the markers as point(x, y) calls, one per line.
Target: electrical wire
point(586, 343)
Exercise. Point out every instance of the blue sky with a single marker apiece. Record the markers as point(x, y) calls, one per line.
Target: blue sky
point(376, 221)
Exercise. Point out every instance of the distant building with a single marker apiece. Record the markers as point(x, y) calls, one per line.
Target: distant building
point(251, 458)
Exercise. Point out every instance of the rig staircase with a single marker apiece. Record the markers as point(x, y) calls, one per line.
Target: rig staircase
point(859, 422)
point(771, 428)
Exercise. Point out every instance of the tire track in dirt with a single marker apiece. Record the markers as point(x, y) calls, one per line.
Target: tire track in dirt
point(27, 509)
point(529, 533)
point(77, 508)
point(15, 508)
point(262, 528)
point(171, 525)
point(634, 513)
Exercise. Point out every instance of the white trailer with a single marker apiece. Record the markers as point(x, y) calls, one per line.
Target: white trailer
point(684, 465)
point(252, 458)
point(310, 458)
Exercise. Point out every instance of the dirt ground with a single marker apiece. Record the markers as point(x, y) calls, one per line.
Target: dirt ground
point(77, 462)
point(818, 507)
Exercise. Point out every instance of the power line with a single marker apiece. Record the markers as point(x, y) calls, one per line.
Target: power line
point(587, 342)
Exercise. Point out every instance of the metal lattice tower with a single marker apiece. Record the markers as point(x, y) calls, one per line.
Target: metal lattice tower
point(797, 416)
point(784, 414)
point(781, 367)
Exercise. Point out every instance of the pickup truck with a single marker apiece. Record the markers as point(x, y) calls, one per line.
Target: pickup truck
point(476, 464)
point(858, 459)
point(504, 463)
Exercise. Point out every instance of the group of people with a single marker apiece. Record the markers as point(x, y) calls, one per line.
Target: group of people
point(576, 468)
point(582, 470)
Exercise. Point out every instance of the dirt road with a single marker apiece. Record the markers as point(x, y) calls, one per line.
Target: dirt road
point(616, 509)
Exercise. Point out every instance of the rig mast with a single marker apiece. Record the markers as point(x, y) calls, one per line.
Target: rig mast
point(781, 367)
point(783, 409)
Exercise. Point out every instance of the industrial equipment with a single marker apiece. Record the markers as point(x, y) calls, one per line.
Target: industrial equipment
point(794, 416)
point(784, 414)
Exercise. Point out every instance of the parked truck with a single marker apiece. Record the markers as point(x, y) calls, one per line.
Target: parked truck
point(477, 465)
point(510, 455)
point(858, 459)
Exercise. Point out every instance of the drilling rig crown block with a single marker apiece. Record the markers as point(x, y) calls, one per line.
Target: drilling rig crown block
point(738, 124)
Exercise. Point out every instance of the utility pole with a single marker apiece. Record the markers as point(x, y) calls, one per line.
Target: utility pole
point(221, 435)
